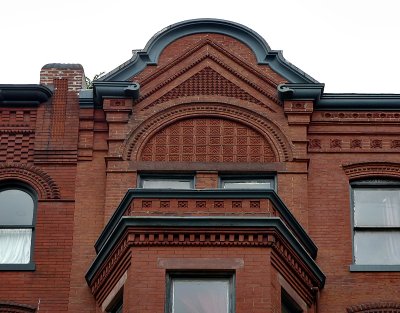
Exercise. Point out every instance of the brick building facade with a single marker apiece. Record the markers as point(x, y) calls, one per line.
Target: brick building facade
point(205, 174)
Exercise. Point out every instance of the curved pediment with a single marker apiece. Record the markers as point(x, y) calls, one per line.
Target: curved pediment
point(259, 47)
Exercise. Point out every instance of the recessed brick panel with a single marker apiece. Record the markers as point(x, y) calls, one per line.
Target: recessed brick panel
point(207, 140)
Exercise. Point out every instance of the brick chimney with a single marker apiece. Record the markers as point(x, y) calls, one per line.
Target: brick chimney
point(72, 73)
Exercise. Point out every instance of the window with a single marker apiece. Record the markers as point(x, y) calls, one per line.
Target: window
point(376, 221)
point(288, 305)
point(117, 306)
point(246, 182)
point(200, 293)
point(17, 215)
point(166, 182)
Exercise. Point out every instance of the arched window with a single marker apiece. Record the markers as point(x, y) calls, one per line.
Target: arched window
point(17, 216)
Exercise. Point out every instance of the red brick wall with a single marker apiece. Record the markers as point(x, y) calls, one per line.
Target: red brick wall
point(145, 287)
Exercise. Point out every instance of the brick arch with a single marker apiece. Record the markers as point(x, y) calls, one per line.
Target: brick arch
point(9, 307)
point(251, 125)
point(372, 169)
point(35, 177)
point(377, 307)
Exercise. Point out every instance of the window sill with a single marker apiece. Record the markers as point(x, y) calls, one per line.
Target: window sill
point(18, 267)
point(374, 268)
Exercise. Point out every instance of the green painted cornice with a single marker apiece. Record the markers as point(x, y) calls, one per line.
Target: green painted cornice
point(338, 101)
point(204, 222)
point(24, 94)
point(271, 195)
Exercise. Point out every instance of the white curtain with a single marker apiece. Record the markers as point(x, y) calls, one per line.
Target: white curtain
point(15, 246)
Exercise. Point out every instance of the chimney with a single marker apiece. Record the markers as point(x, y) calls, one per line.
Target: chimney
point(72, 73)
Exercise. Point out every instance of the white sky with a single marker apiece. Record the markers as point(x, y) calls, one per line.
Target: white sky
point(350, 45)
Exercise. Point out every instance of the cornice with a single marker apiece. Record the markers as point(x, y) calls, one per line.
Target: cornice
point(263, 53)
point(271, 195)
point(202, 231)
point(338, 101)
point(23, 95)
point(116, 89)
point(354, 101)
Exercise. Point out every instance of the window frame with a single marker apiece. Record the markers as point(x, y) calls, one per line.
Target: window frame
point(16, 185)
point(246, 177)
point(229, 275)
point(166, 176)
point(370, 183)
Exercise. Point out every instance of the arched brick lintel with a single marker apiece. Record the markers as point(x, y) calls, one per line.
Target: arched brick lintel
point(35, 177)
point(9, 307)
point(136, 140)
point(377, 307)
point(372, 169)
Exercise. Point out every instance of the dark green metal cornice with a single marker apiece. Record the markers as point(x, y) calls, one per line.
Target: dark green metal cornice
point(338, 101)
point(24, 95)
point(271, 195)
point(263, 53)
point(222, 222)
point(354, 101)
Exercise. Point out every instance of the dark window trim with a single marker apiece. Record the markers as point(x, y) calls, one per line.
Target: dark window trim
point(370, 183)
point(170, 275)
point(289, 302)
point(166, 176)
point(12, 185)
point(247, 176)
point(117, 303)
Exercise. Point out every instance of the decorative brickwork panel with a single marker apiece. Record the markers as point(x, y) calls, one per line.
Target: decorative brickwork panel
point(207, 82)
point(192, 207)
point(208, 140)
point(59, 109)
point(17, 135)
point(17, 147)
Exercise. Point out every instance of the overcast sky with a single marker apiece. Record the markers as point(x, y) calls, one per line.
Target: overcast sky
point(350, 45)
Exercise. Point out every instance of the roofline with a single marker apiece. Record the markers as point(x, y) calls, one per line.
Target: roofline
point(338, 101)
point(263, 53)
point(24, 94)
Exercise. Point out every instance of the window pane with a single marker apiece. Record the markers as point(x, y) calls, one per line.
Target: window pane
point(16, 207)
point(377, 247)
point(158, 183)
point(200, 296)
point(15, 246)
point(376, 207)
point(247, 184)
